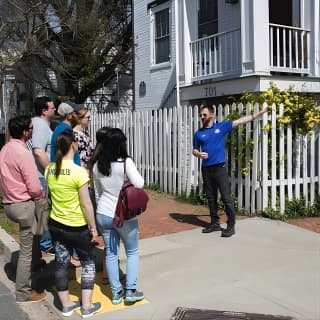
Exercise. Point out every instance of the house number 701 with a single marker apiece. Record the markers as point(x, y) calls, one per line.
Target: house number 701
point(211, 91)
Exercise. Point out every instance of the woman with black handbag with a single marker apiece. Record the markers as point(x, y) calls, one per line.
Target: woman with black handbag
point(108, 177)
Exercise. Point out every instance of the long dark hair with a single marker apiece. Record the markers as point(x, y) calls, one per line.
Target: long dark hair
point(99, 136)
point(113, 147)
point(64, 141)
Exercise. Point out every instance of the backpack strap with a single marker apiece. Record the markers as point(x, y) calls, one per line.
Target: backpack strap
point(124, 171)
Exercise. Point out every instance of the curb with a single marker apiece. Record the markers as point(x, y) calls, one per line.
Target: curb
point(10, 247)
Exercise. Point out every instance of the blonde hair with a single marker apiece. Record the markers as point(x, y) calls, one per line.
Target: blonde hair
point(82, 112)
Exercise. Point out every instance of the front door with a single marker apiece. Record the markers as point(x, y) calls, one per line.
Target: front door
point(285, 12)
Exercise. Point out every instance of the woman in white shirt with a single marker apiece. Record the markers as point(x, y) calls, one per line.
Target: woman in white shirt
point(108, 177)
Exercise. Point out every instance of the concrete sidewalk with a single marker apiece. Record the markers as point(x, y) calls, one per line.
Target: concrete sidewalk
point(268, 267)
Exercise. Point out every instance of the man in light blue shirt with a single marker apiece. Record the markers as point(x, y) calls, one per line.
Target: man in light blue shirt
point(41, 140)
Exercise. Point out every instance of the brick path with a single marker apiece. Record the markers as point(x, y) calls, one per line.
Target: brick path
point(167, 215)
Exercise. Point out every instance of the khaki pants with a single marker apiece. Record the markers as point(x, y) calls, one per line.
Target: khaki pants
point(23, 214)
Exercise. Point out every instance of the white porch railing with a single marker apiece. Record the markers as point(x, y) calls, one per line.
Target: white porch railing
point(289, 49)
point(216, 55)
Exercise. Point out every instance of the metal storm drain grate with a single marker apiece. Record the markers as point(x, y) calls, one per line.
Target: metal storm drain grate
point(199, 314)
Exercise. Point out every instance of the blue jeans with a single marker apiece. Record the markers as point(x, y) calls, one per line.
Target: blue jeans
point(129, 234)
point(46, 241)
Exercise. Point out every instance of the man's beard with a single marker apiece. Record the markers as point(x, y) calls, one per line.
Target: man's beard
point(205, 122)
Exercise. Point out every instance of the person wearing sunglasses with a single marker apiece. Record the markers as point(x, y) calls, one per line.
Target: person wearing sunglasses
point(85, 144)
point(20, 189)
point(209, 146)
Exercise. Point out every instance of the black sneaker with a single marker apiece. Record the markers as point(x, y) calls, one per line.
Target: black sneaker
point(133, 296)
point(212, 228)
point(96, 307)
point(228, 232)
point(68, 311)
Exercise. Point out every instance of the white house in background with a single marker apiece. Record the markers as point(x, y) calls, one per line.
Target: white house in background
point(198, 51)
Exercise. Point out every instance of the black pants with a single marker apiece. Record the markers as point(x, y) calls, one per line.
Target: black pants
point(216, 178)
point(64, 242)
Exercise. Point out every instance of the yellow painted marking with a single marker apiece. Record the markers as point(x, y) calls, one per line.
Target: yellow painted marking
point(101, 293)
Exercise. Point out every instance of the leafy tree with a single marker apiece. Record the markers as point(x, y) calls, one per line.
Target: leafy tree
point(69, 47)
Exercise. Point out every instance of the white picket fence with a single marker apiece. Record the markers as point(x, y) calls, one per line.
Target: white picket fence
point(160, 142)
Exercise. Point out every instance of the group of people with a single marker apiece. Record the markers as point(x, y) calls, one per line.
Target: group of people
point(69, 169)
point(84, 184)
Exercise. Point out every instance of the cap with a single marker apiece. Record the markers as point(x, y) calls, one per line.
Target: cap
point(69, 107)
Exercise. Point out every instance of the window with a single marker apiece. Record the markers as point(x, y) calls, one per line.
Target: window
point(207, 18)
point(161, 36)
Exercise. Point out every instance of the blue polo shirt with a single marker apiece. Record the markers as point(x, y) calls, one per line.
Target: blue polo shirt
point(212, 141)
point(60, 128)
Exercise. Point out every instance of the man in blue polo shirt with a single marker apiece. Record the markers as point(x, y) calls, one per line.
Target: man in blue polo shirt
point(208, 145)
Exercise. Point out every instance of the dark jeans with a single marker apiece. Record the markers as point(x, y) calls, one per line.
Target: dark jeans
point(216, 178)
point(65, 240)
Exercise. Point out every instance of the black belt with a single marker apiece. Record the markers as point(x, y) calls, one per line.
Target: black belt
point(59, 225)
point(217, 165)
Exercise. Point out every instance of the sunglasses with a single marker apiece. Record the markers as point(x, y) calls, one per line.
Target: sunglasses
point(203, 115)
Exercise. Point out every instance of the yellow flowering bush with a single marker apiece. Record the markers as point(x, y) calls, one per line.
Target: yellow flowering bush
point(299, 109)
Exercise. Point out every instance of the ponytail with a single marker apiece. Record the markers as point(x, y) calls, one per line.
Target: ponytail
point(64, 142)
point(58, 163)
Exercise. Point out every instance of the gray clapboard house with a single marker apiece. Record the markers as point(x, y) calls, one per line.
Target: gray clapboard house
point(201, 51)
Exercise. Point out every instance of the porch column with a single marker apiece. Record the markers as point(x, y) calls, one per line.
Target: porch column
point(189, 32)
point(315, 41)
point(255, 37)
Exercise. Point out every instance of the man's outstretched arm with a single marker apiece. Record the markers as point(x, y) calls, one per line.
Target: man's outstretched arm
point(251, 117)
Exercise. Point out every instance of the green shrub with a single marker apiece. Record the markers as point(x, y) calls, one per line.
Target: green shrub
point(154, 187)
point(295, 208)
point(274, 214)
point(195, 197)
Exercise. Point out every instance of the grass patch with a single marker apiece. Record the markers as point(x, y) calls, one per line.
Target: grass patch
point(6, 224)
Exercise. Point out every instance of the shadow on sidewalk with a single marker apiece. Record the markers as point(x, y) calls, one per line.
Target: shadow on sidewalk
point(190, 219)
point(40, 280)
